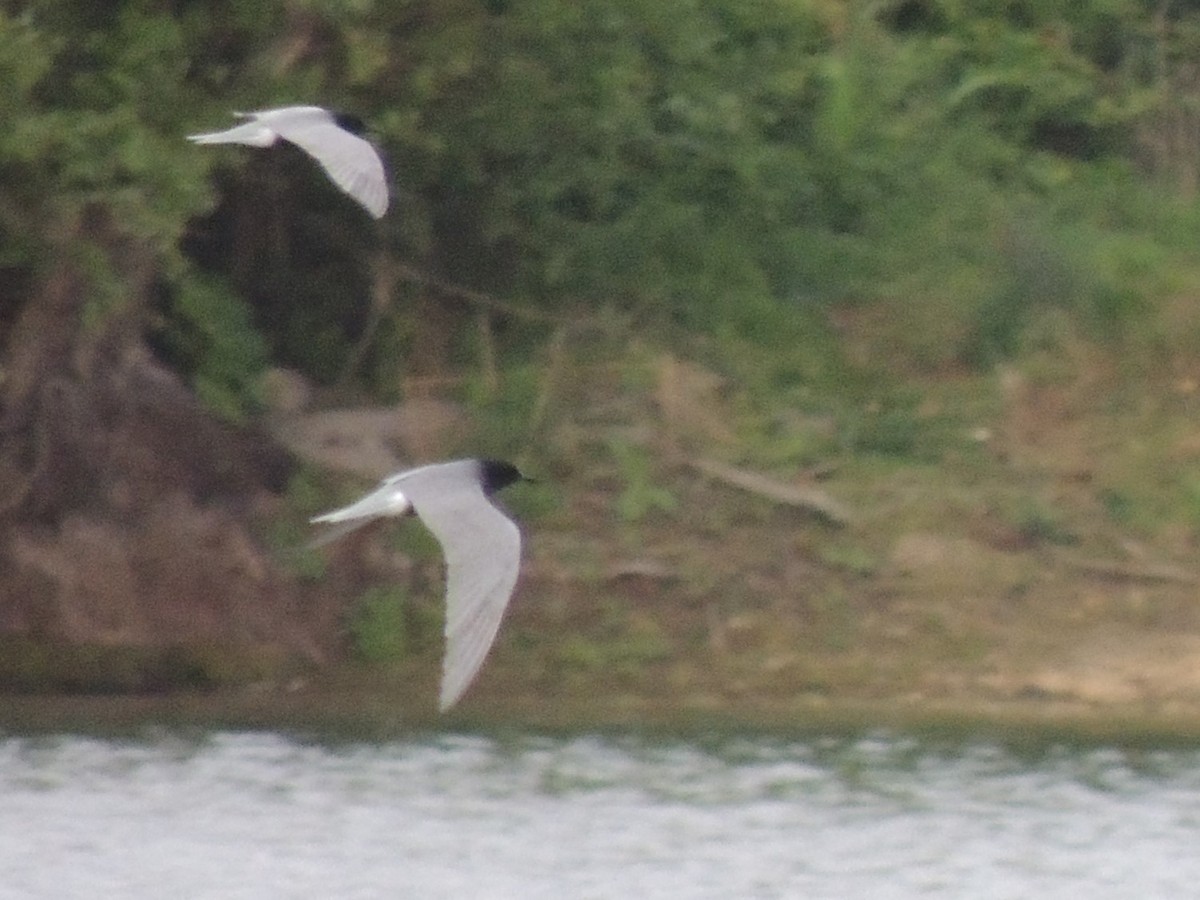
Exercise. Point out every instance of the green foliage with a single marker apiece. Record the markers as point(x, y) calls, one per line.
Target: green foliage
point(624, 645)
point(379, 626)
point(210, 338)
point(1040, 525)
point(894, 423)
point(1119, 506)
point(95, 170)
point(890, 430)
point(504, 409)
point(615, 151)
point(849, 557)
point(95, 117)
point(640, 493)
point(715, 169)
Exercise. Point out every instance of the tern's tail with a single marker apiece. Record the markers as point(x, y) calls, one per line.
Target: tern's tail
point(384, 501)
point(251, 133)
point(340, 529)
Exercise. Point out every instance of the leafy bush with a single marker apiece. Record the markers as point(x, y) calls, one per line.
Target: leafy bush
point(727, 170)
point(379, 626)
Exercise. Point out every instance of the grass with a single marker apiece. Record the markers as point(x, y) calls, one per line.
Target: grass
point(956, 588)
point(961, 598)
point(379, 625)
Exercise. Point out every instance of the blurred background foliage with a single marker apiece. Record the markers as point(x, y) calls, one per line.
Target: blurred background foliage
point(737, 179)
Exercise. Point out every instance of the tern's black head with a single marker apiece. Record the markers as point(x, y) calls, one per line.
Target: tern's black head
point(496, 474)
point(350, 123)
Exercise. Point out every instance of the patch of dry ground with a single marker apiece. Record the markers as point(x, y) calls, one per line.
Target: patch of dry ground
point(999, 576)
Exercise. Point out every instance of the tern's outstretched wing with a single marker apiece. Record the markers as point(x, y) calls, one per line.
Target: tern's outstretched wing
point(482, 547)
point(352, 162)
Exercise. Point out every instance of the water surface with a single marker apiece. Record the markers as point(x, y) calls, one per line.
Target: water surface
point(258, 815)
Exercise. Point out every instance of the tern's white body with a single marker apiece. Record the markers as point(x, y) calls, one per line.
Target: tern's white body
point(482, 547)
point(352, 162)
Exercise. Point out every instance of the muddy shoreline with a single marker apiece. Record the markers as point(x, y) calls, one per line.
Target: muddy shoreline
point(365, 712)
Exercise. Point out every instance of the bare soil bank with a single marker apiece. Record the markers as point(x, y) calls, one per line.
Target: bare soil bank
point(1033, 575)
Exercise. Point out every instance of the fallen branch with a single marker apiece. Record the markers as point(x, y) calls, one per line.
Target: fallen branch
point(1107, 568)
point(809, 499)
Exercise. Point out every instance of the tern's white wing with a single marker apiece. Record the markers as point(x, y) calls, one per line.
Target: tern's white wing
point(482, 547)
point(352, 162)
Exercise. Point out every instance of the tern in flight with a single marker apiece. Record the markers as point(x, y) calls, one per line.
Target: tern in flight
point(482, 547)
point(332, 139)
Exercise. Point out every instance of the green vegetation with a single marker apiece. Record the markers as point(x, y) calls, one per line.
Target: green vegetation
point(936, 259)
point(731, 172)
point(378, 627)
point(715, 169)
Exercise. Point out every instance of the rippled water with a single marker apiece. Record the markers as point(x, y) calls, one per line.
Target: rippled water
point(264, 816)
